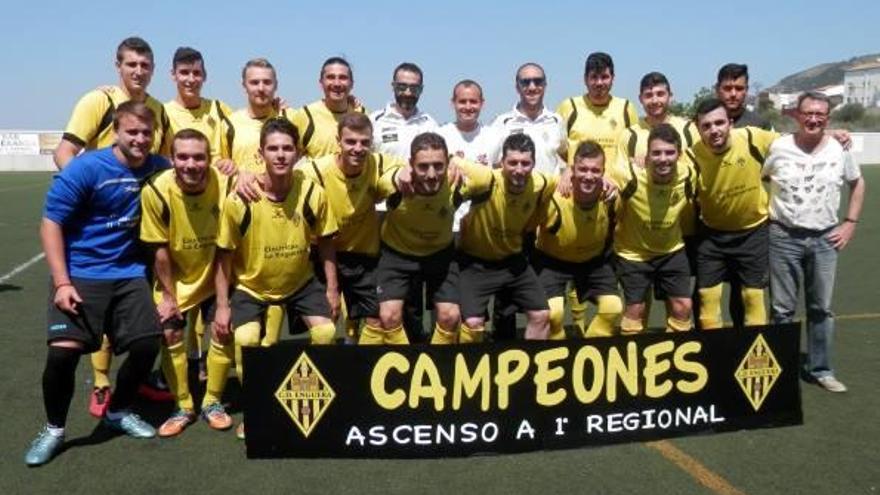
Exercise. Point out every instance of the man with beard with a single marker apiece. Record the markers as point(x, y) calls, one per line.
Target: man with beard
point(648, 239)
point(417, 235)
point(732, 88)
point(491, 259)
point(181, 209)
point(574, 236)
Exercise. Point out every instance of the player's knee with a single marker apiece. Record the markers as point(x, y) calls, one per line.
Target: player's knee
point(538, 317)
point(172, 336)
point(67, 344)
point(391, 316)
point(322, 333)
point(474, 322)
point(680, 307)
point(248, 335)
point(609, 305)
point(448, 317)
point(144, 349)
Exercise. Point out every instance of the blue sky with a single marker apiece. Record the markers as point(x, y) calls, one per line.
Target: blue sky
point(54, 51)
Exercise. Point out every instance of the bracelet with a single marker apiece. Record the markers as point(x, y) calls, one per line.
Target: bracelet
point(65, 284)
point(850, 220)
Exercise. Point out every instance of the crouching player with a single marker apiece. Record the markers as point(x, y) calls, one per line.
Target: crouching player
point(648, 240)
point(181, 210)
point(491, 261)
point(263, 255)
point(417, 238)
point(573, 243)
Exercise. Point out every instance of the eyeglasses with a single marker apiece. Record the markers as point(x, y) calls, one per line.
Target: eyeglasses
point(537, 81)
point(815, 115)
point(404, 87)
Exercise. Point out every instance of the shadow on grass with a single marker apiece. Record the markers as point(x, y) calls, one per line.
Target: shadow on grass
point(9, 287)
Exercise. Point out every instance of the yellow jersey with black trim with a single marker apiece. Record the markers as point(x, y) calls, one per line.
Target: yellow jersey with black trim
point(187, 225)
point(244, 139)
point(730, 193)
point(353, 199)
point(421, 225)
point(91, 123)
point(603, 124)
point(649, 215)
point(570, 232)
point(318, 128)
point(493, 228)
point(633, 142)
point(270, 239)
point(211, 118)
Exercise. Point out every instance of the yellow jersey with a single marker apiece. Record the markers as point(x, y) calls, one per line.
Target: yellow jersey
point(603, 124)
point(318, 128)
point(569, 232)
point(211, 118)
point(244, 139)
point(91, 123)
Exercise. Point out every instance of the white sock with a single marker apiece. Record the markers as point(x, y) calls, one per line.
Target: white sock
point(55, 431)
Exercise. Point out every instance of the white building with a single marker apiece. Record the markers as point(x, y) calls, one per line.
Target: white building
point(862, 84)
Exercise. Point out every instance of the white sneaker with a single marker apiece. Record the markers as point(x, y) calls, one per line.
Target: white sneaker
point(831, 384)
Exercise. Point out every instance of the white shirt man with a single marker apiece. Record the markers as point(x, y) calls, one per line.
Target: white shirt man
point(395, 126)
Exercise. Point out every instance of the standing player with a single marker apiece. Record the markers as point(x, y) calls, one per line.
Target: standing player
point(597, 115)
point(318, 121)
point(351, 179)
point(807, 170)
point(417, 236)
point(491, 257)
point(99, 283)
point(263, 254)
point(91, 127)
point(732, 88)
point(733, 211)
point(260, 84)
point(181, 209)
point(395, 126)
point(648, 240)
point(655, 94)
point(572, 246)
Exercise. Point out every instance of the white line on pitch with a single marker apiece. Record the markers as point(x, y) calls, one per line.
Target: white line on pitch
point(22, 267)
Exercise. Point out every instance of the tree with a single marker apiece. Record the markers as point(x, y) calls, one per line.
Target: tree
point(688, 109)
point(849, 113)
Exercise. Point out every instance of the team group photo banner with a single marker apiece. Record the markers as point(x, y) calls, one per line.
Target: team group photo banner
point(443, 401)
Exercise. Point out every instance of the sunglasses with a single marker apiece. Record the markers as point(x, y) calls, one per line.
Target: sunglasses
point(537, 81)
point(404, 87)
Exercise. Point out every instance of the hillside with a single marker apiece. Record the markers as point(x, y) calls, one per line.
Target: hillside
point(820, 75)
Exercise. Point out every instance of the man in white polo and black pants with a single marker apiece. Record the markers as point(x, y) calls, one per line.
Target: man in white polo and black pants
point(806, 171)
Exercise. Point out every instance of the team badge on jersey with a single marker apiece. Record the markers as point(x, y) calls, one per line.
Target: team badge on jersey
point(757, 372)
point(305, 395)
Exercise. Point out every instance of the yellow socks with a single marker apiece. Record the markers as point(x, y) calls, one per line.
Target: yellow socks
point(274, 320)
point(443, 337)
point(247, 335)
point(673, 324)
point(557, 313)
point(710, 308)
point(322, 334)
point(630, 326)
point(608, 310)
point(218, 362)
point(468, 335)
point(578, 312)
point(371, 335)
point(756, 310)
point(101, 364)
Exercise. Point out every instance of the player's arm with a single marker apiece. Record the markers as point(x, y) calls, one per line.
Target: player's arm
point(66, 298)
point(222, 325)
point(65, 152)
point(163, 269)
point(84, 125)
point(327, 254)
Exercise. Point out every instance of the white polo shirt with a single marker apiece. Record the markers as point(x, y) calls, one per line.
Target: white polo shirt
point(481, 145)
point(393, 134)
point(805, 188)
point(546, 131)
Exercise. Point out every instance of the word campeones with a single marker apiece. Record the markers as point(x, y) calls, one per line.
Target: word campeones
point(586, 373)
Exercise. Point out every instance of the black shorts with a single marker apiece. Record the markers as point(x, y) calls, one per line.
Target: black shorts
point(481, 279)
point(123, 309)
point(741, 256)
point(592, 278)
point(669, 273)
point(356, 274)
point(207, 309)
point(399, 272)
point(309, 300)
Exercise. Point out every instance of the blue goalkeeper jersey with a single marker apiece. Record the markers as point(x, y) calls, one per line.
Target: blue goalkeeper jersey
point(96, 201)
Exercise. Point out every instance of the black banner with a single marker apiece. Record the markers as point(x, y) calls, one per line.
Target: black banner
point(439, 401)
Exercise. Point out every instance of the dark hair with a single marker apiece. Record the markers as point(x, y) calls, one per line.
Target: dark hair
point(733, 71)
point(408, 67)
point(708, 105)
point(589, 149)
point(598, 62)
point(134, 44)
point(136, 108)
point(191, 135)
point(467, 83)
point(355, 121)
point(518, 142)
point(428, 141)
point(336, 61)
point(278, 125)
point(186, 55)
point(652, 79)
point(665, 133)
